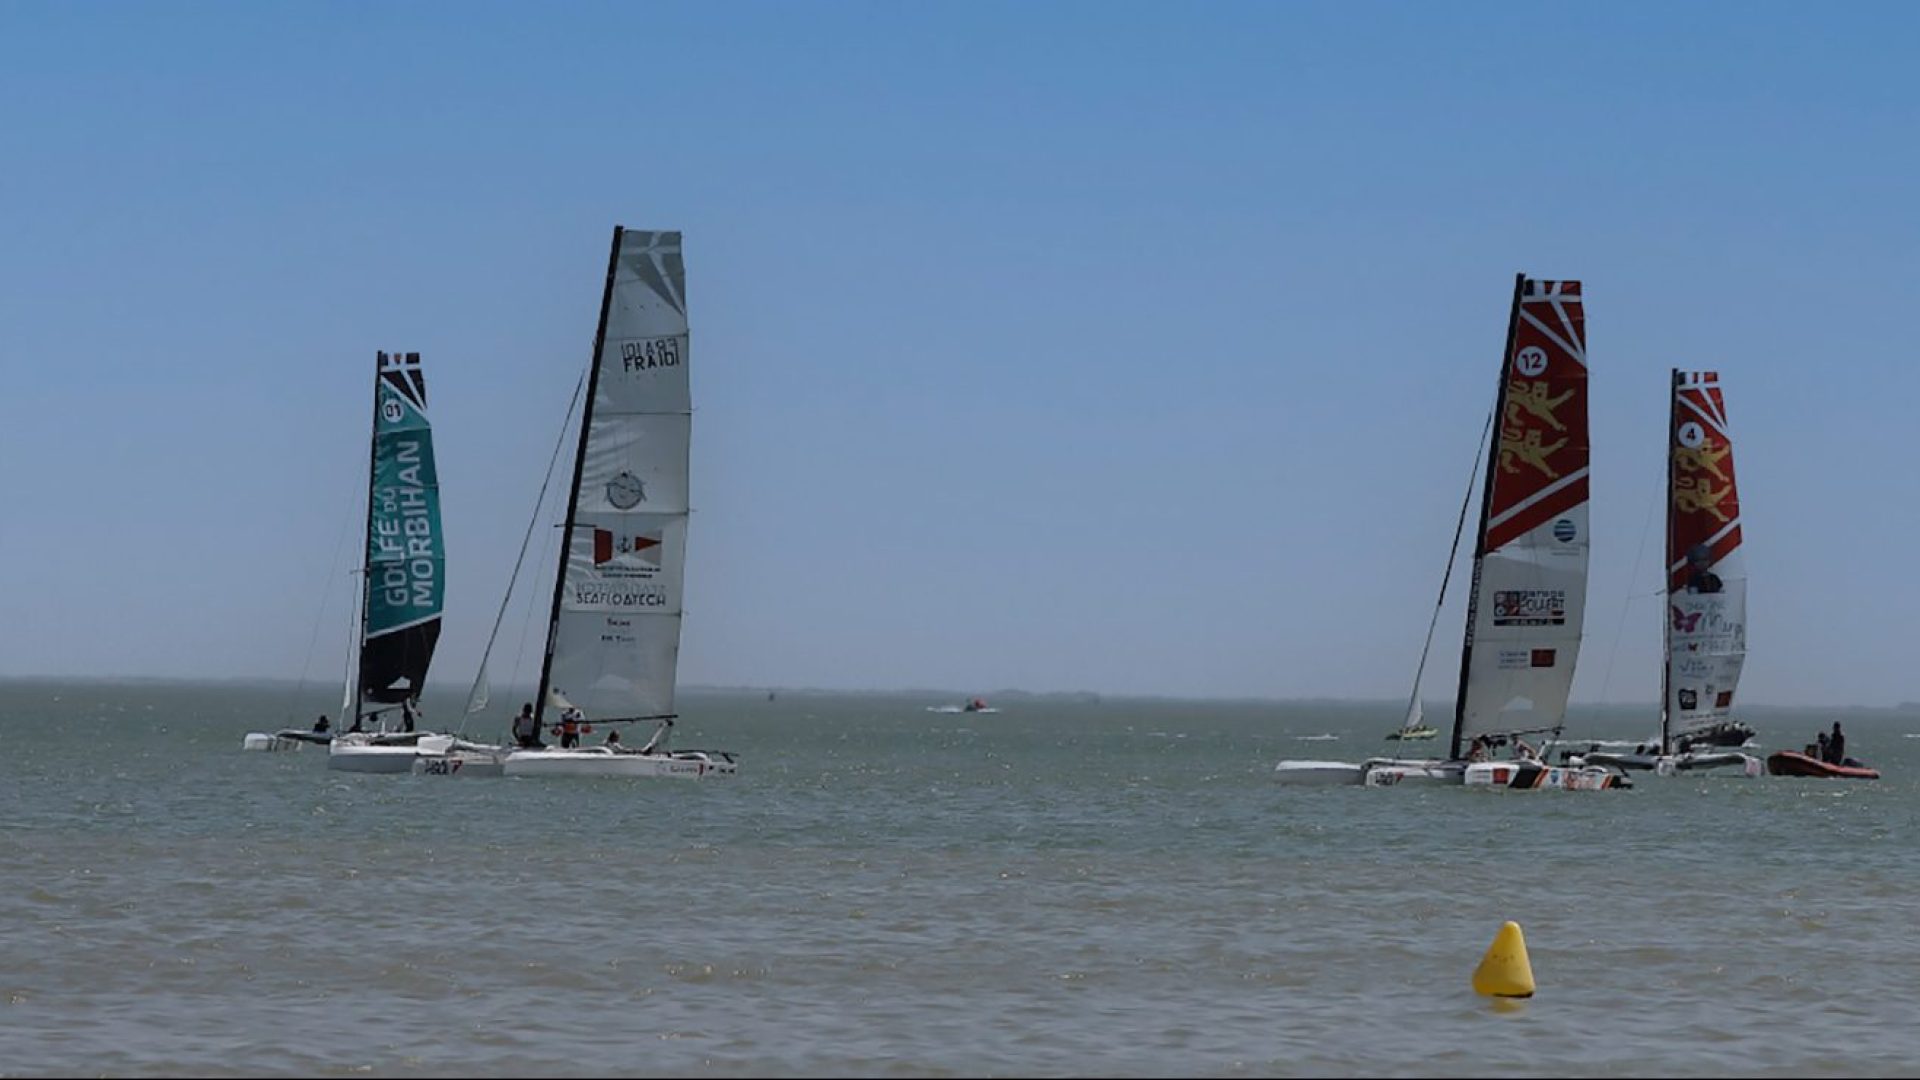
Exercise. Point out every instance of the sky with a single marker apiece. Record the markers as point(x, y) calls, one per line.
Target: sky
point(1133, 348)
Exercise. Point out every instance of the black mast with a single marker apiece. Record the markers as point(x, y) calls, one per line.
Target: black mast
point(366, 576)
point(573, 490)
point(1666, 571)
point(1486, 505)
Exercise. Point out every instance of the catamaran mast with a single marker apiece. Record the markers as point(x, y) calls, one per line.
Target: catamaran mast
point(1666, 573)
point(573, 489)
point(366, 576)
point(1486, 505)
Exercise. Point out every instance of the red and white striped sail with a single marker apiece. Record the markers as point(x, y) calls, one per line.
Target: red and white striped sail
point(1530, 580)
point(1706, 622)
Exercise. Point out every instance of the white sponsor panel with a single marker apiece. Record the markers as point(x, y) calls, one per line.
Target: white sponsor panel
point(625, 563)
point(616, 664)
point(1526, 637)
point(636, 464)
point(643, 355)
point(1706, 650)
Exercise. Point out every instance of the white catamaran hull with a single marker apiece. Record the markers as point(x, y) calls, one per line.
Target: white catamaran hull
point(599, 761)
point(1318, 773)
point(1392, 772)
point(1534, 775)
point(1672, 764)
point(478, 763)
point(359, 753)
point(284, 739)
point(260, 740)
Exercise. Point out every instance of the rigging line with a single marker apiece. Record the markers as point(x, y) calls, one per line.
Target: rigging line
point(333, 568)
point(1453, 553)
point(538, 501)
point(1625, 605)
point(532, 608)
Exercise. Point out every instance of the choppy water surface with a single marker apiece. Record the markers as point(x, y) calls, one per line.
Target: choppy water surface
point(1059, 888)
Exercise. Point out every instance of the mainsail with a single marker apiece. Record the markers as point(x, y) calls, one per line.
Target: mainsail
point(1706, 618)
point(1525, 611)
point(405, 582)
point(614, 635)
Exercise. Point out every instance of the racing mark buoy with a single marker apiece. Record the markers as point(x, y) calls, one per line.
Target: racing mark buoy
point(1505, 971)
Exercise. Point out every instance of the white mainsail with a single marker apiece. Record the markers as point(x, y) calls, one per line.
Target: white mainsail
point(1528, 602)
point(615, 638)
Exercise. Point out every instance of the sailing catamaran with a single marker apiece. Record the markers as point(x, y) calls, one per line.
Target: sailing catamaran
point(1704, 621)
point(403, 580)
point(1528, 596)
point(403, 574)
point(613, 636)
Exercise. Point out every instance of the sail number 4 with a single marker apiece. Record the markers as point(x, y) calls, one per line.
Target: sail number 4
point(649, 354)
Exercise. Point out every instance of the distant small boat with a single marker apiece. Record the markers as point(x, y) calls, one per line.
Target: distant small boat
point(973, 705)
point(1418, 731)
point(1794, 763)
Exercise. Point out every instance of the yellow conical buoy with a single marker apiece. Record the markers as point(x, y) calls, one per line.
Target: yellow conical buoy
point(1505, 970)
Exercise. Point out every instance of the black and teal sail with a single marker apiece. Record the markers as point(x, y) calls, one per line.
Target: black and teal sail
point(406, 558)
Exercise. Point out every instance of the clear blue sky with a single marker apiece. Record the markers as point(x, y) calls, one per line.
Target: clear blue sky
point(1134, 348)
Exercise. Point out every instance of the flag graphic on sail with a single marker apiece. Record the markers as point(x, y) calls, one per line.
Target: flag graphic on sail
point(1706, 624)
point(406, 563)
point(1528, 601)
point(616, 634)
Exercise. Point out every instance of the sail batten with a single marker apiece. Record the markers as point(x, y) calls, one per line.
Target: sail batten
point(1705, 624)
point(404, 588)
point(615, 632)
point(1528, 600)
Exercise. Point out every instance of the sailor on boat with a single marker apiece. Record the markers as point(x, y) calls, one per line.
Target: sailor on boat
point(526, 729)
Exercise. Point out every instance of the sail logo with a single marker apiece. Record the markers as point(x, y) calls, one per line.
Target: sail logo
point(1564, 531)
point(1707, 621)
point(649, 354)
point(1692, 434)
point(609, 545)
point(1530, 607)
point(1693, 459)
point(1531, 361)
point(626, 491)
point(1701, 496)
point(402, 542)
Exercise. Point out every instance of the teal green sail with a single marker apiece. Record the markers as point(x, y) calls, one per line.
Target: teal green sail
point(406, 562)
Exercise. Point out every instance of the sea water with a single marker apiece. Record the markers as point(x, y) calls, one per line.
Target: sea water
point(1064, 887)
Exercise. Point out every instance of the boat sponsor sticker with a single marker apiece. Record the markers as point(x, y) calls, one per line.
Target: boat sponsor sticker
point(641, 547)
point(1707, 622)
point(617, 569)
point(1530, 607)
point(642, 355)
point(1525, 659)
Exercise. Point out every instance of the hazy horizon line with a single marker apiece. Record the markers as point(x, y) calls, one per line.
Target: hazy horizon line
point(1015, 693)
